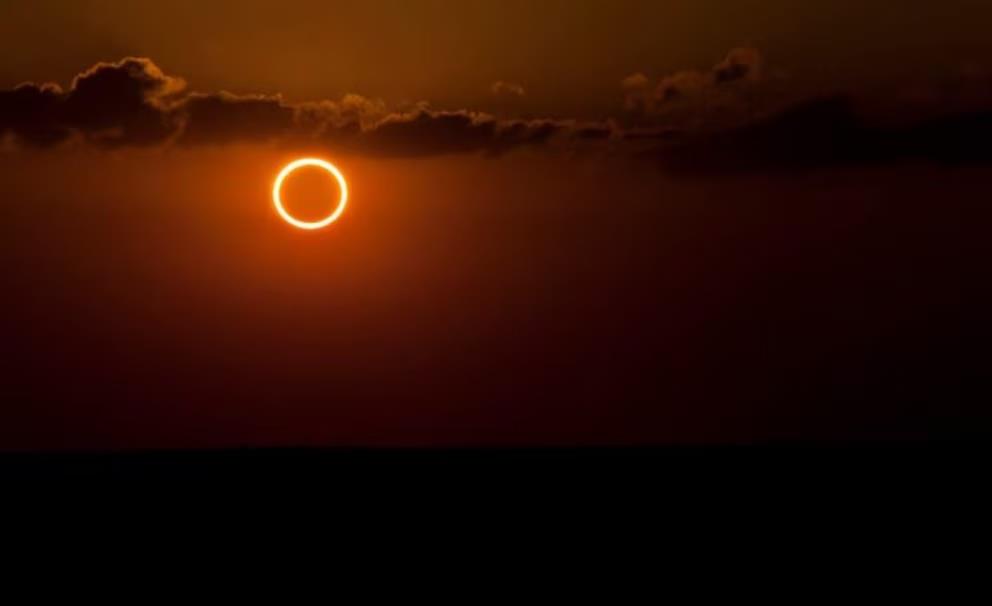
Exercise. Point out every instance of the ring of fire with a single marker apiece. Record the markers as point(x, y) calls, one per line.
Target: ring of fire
point(287, 171)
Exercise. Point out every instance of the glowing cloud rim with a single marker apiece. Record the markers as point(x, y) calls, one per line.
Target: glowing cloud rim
point(301, 163)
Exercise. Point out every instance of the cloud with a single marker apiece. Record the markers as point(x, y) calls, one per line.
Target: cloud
point(349, 113)
point(636, 81)
point(699, 122)
point(123, 103)
point(508, 89)
point(428, 132)
point(682, 84)
point(28, 112)
point(740, 64)
point(134, 103)
point(640, 97)
point(226, 118)
point(635, 88)
point(828, 132)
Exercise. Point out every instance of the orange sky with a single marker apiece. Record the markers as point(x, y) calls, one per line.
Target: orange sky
point(671, 222)
point(156, 300)
point(569, 56)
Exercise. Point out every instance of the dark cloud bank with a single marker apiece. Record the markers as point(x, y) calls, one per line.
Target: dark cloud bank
point(134, 103)
point(827, 132)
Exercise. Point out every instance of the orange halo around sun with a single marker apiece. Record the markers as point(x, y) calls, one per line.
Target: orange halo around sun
point(288, 170)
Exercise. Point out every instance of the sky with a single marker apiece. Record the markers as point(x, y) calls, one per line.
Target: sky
point(569, 56)
point(569, 223)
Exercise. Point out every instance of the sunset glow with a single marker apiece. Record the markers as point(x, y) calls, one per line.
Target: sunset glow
point(358, 230)
point(287, 171)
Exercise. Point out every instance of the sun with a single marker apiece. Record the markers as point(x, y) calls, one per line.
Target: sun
point(287, 171)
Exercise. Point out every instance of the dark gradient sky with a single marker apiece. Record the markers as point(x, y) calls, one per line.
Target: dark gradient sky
point(700, 222)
